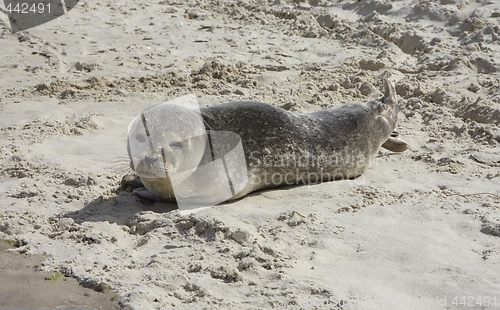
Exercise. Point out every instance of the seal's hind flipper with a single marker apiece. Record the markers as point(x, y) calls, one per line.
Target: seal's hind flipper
point(394, 143)
point(389, 99)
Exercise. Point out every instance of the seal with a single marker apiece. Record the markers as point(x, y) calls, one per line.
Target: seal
point(277, 147)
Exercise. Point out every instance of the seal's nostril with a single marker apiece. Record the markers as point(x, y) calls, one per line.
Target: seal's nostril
point(150, 160)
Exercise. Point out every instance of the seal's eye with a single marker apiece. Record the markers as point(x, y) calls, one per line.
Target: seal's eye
point(140, 138)
point(176, 145)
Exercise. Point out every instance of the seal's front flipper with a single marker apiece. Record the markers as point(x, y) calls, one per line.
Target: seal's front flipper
point(132, 183)
point(394, 143)
point(131, 180)
point(146, 194)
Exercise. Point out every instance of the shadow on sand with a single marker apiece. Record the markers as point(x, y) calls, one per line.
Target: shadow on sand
point(125, 205)
point(118, 209)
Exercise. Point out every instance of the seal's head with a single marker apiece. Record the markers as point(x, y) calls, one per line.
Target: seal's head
point(163, 141)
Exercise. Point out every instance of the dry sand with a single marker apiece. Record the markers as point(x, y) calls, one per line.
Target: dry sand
point(419, 230)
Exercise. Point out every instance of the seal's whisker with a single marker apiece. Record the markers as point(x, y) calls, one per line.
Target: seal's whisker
point(184, 183)
point(121, 159)
point(121, 169)
point(187, 187)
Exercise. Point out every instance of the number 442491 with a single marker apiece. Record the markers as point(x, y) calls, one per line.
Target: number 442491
point(28, 8)
point(472, 301)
